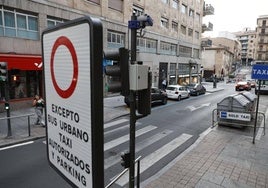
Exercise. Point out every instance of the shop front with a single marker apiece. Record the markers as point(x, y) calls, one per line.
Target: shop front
point(24, 79)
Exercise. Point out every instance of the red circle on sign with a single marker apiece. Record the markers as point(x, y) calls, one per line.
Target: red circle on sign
point(69, 91)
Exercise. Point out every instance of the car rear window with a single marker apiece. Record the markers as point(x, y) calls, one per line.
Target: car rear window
point(171, 88)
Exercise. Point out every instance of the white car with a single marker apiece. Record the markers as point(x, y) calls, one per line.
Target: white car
point(177, 92)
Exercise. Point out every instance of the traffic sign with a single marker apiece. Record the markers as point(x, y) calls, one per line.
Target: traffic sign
point(259, 72)
point(235, 116)
point(72, 60)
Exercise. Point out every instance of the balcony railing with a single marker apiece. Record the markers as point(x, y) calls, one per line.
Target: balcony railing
point(208, 27)
point(208, 9)
point(206, 43)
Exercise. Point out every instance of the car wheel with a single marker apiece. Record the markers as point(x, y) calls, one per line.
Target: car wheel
point(179, 98)
point(164, 100)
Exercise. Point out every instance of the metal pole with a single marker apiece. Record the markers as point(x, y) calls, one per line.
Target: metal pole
point(9, 133)
point(29, 127)
point(257, 109)
point(132, 111)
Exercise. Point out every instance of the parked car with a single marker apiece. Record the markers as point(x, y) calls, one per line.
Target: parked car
point(157, 96)
point(240, 86)
point(196, 89)
point(177, 92)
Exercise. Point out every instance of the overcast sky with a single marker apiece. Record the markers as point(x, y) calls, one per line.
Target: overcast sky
point(234, 15)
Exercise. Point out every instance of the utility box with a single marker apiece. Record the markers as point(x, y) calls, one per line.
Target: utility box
point(138, 77)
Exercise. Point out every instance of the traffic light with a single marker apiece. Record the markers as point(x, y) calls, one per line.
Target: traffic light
point(119, 71)
point(125, 159)
point(3, 71)
point(6, 105)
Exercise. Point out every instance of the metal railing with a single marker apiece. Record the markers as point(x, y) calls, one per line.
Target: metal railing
point(216, 117)
point(124, 171)
point(28, 121)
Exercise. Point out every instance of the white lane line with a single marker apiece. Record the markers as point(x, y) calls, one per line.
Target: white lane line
point(140, 146)
point(119, 128)
point(125, 138)
point(113, 123)
point(154, 157)
point(16, 145)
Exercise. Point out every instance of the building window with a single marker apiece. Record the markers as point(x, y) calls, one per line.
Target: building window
point(53, 21)
point(18, 24)
point(116, 5)
point(168, 48)
point(164, 22)
point(183, 9)
point(115, 40)
point(197, 35)
point(196, 53)
point(185, 51)
point(94, 1)
point(183, 29)
point(262, 31)
point(190, 32)
point(175, 26)
point(264, 22)
point(191, 13)
point(165, 1)
point(138, 11)
point(175, 4)
point(146, 45)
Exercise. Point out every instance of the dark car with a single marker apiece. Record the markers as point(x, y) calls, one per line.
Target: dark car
point(157, 96)
point(196, 89)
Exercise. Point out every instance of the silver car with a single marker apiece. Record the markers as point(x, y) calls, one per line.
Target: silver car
point(177, 92)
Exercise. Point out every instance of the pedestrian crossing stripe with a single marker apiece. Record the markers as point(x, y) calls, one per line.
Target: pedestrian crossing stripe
point(114, 123)
point(154, 157)
point(125, 138)
point(139, 146)
point(119, 128)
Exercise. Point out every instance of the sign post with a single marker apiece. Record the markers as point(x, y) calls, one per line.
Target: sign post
point(259, 72)
point(72, 57)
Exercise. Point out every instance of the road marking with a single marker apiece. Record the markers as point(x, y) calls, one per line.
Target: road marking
point(125, 138)
point(140, 146)
point(193, 108)
point(113, 123)
point(16, 145)
point(119, 128)
point(154, 157)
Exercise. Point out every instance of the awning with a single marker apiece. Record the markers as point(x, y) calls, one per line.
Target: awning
point(22, 62)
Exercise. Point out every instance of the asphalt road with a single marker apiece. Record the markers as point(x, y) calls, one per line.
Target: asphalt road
point(161, 137)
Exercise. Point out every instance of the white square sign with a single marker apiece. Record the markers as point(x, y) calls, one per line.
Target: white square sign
point(67, 74)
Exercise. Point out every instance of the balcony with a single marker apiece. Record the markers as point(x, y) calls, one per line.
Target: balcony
point(208, 9)
point(206, 27)
point(206, 43)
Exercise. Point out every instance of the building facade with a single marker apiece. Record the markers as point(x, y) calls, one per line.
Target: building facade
point(221, 57)
point(262, 38)
point(171, 48)
point(248, 41)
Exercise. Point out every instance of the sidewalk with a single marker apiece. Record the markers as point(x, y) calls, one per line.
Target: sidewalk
point(223, 157)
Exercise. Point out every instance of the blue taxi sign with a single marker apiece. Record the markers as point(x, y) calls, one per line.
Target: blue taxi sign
point(259, 72)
